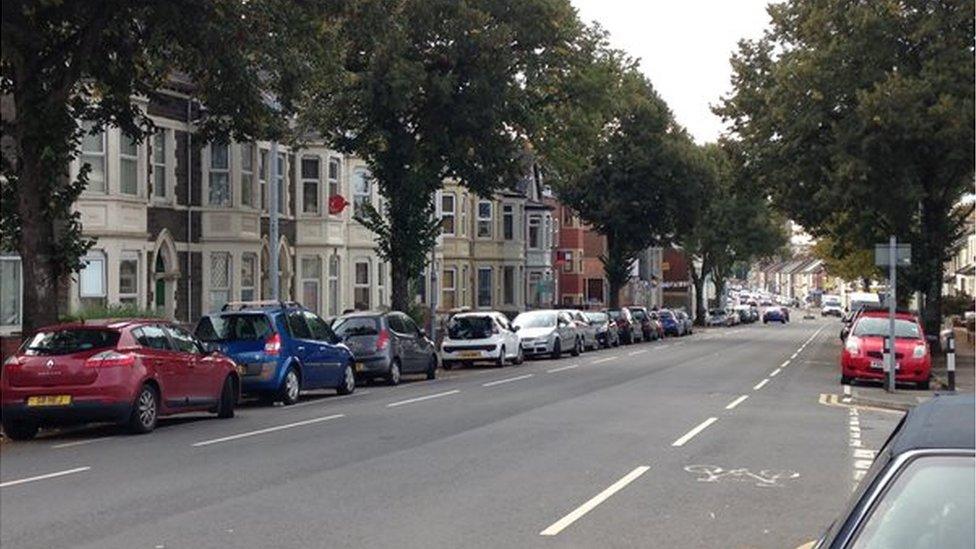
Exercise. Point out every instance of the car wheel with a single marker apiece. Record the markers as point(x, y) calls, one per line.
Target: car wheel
point(577, 348)
point(432, 368)
point(393, 376)
point(19, 430)
point(348, 384)
point(228, 397)
point(520, 357)
point(923, 385)
point(145, 412)
point(845, 380)
point(500, 361)
point(557, 349)
point(291, 387)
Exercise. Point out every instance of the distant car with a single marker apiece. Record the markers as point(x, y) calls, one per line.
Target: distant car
point(685, 320)
point(606, 329)
point(786, 313)
point(387, 345)
point(732, 318)
point(123, 371)
point(548, 332)
point(862, 355)
point(643, 318)
point(656, 319)
point(831, 306)
point(282, 349)
point(717, 317)
point(745, 314)
point(480, 337)
point(670, 322)
point(774, 314)
point(919, 492)
point(586, 330)
point(626, 326)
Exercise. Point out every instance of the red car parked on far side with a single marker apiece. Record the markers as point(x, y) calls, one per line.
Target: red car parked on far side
point(129, 372)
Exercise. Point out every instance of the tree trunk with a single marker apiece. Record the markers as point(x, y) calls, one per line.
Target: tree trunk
point(615, 269)
point(40, 270)
point(400, 285)
point(699, 283)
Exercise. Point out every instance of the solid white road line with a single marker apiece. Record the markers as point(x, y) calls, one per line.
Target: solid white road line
point(268, 430)
point(420, 399)
point(508, 380)
point(736, 402)
point(561, 368)
point(604, 359)
point(775, 372)
point(80, 442)
point(760, 384)
point(632, 353)
point(578, 513)
point(793, 356)
point(785, 364)
point(690, 434)
point(42, 477)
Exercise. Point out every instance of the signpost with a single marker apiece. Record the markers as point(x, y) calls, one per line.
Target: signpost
point(892, 255)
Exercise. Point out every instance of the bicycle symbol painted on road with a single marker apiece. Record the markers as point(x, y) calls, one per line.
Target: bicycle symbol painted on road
point(767, 478)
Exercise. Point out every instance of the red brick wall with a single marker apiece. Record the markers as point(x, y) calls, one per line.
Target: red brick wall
point(8, 346)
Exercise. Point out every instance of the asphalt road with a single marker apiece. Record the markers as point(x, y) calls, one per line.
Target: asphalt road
point(703, 441)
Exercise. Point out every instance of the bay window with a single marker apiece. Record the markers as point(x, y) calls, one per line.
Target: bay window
point(484, 219)
point(220, 279)
point(129, 166)
point(247, 175)
point(220, 194)
point(93, 154)
point(310, 184)
point(361, 286)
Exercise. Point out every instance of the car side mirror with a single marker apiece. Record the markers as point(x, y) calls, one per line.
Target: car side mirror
point(516, 328)
point(209, 347)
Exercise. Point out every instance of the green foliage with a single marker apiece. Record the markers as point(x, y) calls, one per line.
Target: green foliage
point(843, 261)
point(110, 311)
point(958, 305)
point(858, 119)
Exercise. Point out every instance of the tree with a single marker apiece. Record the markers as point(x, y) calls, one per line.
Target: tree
point(68, 62)
point(433, 90)
point(860, 120)
point(845, 262)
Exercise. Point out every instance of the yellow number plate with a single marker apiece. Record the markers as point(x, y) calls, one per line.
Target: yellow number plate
point(49, 400)
point(470, 354)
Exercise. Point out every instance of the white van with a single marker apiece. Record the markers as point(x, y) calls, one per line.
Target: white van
point(831, 306)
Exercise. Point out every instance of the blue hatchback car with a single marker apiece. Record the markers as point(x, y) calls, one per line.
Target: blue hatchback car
point(282, 348)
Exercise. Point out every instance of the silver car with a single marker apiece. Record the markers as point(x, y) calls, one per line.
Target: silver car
point(548, 332)
point(586, 330)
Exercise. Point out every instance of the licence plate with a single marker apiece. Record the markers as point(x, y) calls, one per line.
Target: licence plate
point(49, 400)
point(470, 354)
point(359, 366)
point(879, 365)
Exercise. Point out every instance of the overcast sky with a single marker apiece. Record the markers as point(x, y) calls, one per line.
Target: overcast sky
point(683, 46)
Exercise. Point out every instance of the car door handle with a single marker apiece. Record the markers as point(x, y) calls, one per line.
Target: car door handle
point(301, 347)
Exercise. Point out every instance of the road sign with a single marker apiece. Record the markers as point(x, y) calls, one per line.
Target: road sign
point(882, 251)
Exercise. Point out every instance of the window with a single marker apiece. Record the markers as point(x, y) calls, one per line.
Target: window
point(220, 279)
point(311, 282)
point(464, 217)
point(159, 164)
point(594, 290)
point(280, 182)
point(152, 337)
point(247, 174)
point(263, 178)
point(129, 166)
point(335, 170)
point(381, 283)
point(508, 285)
point(219, 175)
point(484, 287)
point(535, 233)
point(333, 285)
point(11, 290)
point(93, 154)
point(508, 222)
point(449, 288)
point(249, 269)
point(319, 329)
point(535, 288)
point(310, 185)
point(360, 192)
point(448, 213)
point(129, 278)
point(361, 287)
point(567, 217)
point(484, 219)
point(464, 285)
point(567, 262)
point(91, 279)
point(184, 341)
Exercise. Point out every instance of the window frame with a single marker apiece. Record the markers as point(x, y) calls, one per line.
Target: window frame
point(19, 292)
point(132, 160)
point(129, 256)
point(361, 197)
point(483, 221)
point(315, 279)
point(333, 273)
point(316, 180)
point(536, 221)
point(452, 289)
point(358, 286)
point(247, 174)
point(509, 294)
point(101, 156)
point(334, 183)
point(490, 287)
point(452, 214)
point(212, 288)
point(160, 169)
point(253, 286)
point(508, 222)
point(227, 200)
point(94, 256)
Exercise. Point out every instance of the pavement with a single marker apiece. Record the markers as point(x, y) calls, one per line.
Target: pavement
point(740, 437)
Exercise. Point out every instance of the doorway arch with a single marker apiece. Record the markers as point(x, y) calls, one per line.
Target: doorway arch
point(165, 275)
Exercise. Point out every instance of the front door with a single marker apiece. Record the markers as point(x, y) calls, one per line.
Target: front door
point(409, 334)
point(160, 353)
point(328, 359)
point(304, 349)
point(198, 374)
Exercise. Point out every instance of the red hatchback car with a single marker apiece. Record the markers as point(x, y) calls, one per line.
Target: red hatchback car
point(129, 372)
point(863, 358)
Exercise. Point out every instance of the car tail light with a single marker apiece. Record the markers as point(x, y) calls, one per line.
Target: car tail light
point(272, 345)
point(853, 345)
point(382, 340)
point(110, 359)
point(11, 361)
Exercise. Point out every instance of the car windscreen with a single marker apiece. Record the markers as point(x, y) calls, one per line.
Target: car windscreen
point(877, 326)
point(239, 327)
point(70, 340)
point(637, 314)
point(542, 319)
point(469, 327)
point(356, 326)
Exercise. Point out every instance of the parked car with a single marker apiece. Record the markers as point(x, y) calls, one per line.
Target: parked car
point(626, 327)
point(919, 492)
point(606, 329)
point(786, 313)
point(717, 317)
point(670, 322)
point(123, 371)
point(480, 337)
point(831, 306)
point(852, 317)
point(586, 330)
point(745, 314)
point(282, 349)
point(387, 345)
point(548, 332)
point(643, 319)
point(774, 314)
point(732, 318)
point(862, 355)
point(685, 320)
point(656, 318)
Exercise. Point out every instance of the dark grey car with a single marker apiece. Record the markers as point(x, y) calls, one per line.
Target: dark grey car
point(386, 345)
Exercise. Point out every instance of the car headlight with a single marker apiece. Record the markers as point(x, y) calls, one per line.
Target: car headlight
point(919, 351)
point(853, 345)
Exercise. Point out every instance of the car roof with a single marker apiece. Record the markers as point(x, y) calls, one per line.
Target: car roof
point(103, 323)
point(877, 313)
point(944, 422)
point(359, 314)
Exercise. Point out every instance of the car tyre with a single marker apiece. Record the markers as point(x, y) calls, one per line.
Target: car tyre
point(577, 348)
point(393, 376)
point(19, 430)
point(432, 368)
point(500, 361)
point(520, 357)
point(228, 398)
point(145, 411)
point(291, 387)
point(348, 384)
point(557, 349)
point(845, 380)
